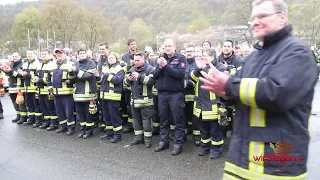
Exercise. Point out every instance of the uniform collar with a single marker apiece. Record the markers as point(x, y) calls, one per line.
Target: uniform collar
point(63, 62)
point(277, 36)
point(175, 55)
point(141, 68)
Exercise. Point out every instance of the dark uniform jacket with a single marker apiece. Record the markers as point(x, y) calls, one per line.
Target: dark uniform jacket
point(142, 88)
point(61, 82)
point(111, 82)
point(273, 93)
point(206, 102)
point(189, 90)
point(30, 67)
point(43, 73)
point(170, 79)
point(16, 82)
point(86, 87)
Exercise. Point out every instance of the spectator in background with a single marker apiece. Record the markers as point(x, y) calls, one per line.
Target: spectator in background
point(206, 45)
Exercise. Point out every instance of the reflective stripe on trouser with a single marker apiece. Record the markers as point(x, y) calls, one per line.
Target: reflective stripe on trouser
point(65, 109)
point(112, 117)
point(142, 119)
point(211, 135)
point(51, 111)
point(22, 109)
point(156, 117)
point(171, 103)
point(190, 117)
point(86, 119)
point(43, 106)
point(31, 106)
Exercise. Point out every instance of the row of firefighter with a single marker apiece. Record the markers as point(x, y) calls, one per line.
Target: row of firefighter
point(53, 94)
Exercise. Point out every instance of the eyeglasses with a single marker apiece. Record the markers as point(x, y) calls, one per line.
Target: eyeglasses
point(261, 17)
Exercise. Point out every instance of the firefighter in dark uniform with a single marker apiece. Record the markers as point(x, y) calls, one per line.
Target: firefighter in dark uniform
point(125, 98)
point(16, 85)
point(46, 103)
point(125, 101)
point(62, 88)
point(104, 51)
point(189, 95)
point(28, 71)
point(111, 89)
point(169, 77)
point(85, 93)
point(206, 107)
point(156, 118)
point(273, 94)
point(140, 79)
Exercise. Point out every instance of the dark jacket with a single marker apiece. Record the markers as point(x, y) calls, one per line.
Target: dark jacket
point(16, 82)
point(30, 67)
point(111, 82)
point(61, 82)
point(142, 88)
point(86, 87)
point(170, 79)
point(273, 93)
point(43, 73)
point(234, 61)
point(189, 90)
point(206, 103)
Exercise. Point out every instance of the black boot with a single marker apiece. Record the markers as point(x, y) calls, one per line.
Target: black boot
point(1, 115)
point(22, 120)
point(52, 127)
point(16, 119)
point(147, 142)
point(45, 125)
point(138, 139)
point(197, 140)
point(127, 129)
point(70, 132)
point(115, 139)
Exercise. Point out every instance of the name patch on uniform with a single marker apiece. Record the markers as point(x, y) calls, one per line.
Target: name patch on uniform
point(182, 64)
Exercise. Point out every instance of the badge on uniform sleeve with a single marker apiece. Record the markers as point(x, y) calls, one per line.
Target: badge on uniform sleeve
point(182, 64)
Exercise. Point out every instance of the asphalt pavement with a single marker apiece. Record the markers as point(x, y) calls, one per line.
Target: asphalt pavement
point(33, 154)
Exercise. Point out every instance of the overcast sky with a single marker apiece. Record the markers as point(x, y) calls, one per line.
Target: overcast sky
point(12, 1)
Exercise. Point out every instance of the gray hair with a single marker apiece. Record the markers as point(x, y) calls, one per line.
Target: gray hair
point(279, 5)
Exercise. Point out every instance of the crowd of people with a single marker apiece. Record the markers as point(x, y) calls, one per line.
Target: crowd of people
point(120, 95)
point(181, 92)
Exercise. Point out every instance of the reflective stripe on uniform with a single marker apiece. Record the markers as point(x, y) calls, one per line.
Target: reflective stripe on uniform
point(71, 123)
point(156, 124)
point(247, 91)
point(195, 78)
point(109, 127)
point(257, 117)
point(110, 96)
point(189, 97)
point(130, 120)
point(117, 128)
point(38, 114)
point(196, 132)
point(63, 122)
point(142, 102)
point(256, 149)
point(145, 80)
point(147, 134)
point(247, 174)
point(205, 141)
point(217, 143)
point(80, 74)
point(140, 132)
point(110, 77)
point(90, 124)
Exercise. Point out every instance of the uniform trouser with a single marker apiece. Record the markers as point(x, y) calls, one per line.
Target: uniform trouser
point(31, 106)
point(126, 108)
point(156, 117)
point(142, 120)
point(21, 109)
point(190, 117)
point(174, 103)
point(85, 118)
point(65, 110)
point(48, 109)
point(211, 135)
point(112, 117)
point(38, 113)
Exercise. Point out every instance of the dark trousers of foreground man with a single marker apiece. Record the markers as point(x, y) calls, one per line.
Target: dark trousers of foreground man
point(171, 103)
